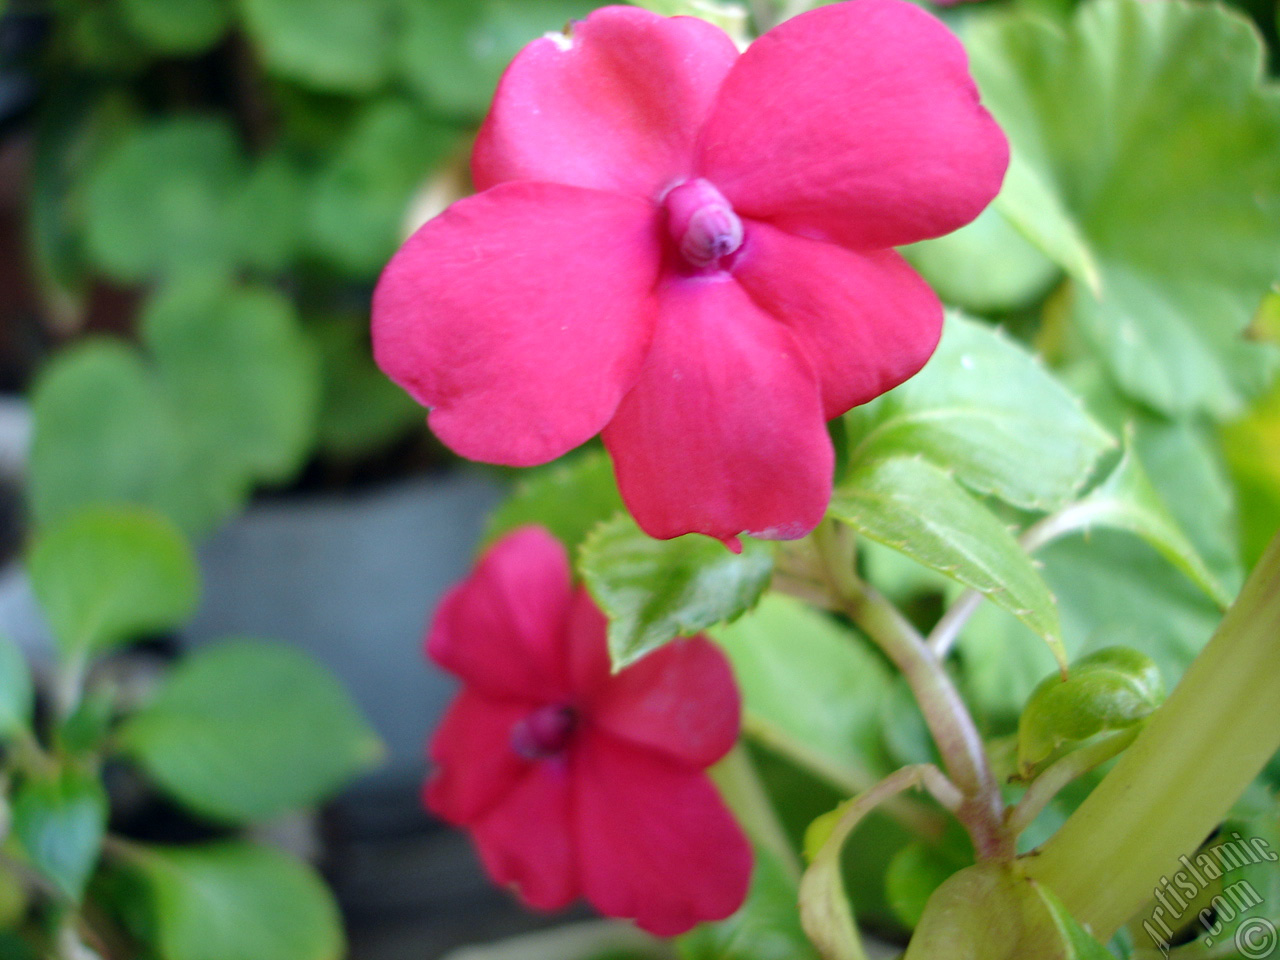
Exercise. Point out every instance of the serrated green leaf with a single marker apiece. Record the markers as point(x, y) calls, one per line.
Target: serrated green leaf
point(249, 730)
point(1151, 126)
point(987, 409)
point(327, 44)
point(655, 590)
point(17, 697)
point(59, 820)
point(106, 575)
point(237, 901)
point(568, 498)
point(919, 510)
point(178, 26)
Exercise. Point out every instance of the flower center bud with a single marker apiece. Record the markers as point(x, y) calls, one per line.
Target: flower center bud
point(702, 223)
point(543, 733)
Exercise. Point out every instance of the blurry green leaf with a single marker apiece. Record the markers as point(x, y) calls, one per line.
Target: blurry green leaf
point(1252, 448)
point(178, 26)
point(765, 927)
point(987, 409)
point(808, 679)
point(656, 590)
point(1252, 888)
point(158, 199)
point(453, 51)
point(249, 730)
point(266, 218)
point(1108, 690)
point(106, 575)
point(236, 901)
point(568, 498)
point(328, 44)
point(1149, 124)
point(59, 820)
point(361, 410)
point(16, 694)
point(914, 874)
point(916, 508)
point(239, 373)
point(728, 15)
point(99, 38)
point(360, 200)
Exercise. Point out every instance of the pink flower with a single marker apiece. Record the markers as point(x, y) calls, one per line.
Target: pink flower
point(572, 780)
point(688, 250)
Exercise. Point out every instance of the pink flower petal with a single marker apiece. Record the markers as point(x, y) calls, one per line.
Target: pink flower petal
point(475, 766)
point(616, 106)
point(723, 433)
point(502, 630)
point(680, 701)
point(856, 122)
point(589, 665)
point(521, 316)
point(526, 841)
point(656, 842)
point(866, 321)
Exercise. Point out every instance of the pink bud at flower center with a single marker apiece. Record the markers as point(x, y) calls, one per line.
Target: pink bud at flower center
point(543, 733)
point(702, 223)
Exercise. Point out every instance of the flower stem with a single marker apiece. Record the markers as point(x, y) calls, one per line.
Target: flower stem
point(1196, 755)
point(739, 783)
point(1075, 764)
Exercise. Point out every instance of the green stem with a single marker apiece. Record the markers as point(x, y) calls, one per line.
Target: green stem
point(1075, 764)
point(740, 785)
point(1197, 754)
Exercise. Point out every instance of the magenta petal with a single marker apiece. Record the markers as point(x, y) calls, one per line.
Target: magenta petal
point(866, 321)
point(857, 122)
point(656, 842)
point(521, 315)
point(723, 433)
point(475, 766)
point(502, 629)
point(526, 841)
point(617, 106)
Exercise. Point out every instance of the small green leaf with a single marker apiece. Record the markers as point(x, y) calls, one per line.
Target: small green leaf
point(178, 26)
point(327, 44)
point(249, 730)
point(568, 498)
point(656, 590)
point(108, 575)
point(1109, 690)
point(987, 409)
point(237, 901)
point(919, 510)
point(266, 217)
point(59, 821)
point(16, 694)
point(915, 872)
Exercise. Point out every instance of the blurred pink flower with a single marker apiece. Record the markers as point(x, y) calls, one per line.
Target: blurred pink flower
point(688, 250)
point(574, 781)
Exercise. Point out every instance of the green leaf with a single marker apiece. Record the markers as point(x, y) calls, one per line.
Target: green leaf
point(453, 51)
point(1109, 690)
point(249, 730)
point(328, 44)
point(807, 679)
point(237, 901)
point(987, 409)
point(240, 374)
point(919, 510)
point(1252, 449)
point(655, 590)
point(157, 200)
point(915, 872)
point(266, 218)
point(16, 694)
point(360, 200)
point(568, 498)
point(106, 575)
point(1179, 203)
point(59, 821)
point(178, 26)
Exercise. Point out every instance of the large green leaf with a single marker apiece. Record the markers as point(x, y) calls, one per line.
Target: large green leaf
point(987, 409)
point(249, 730)
point(329, 44)
point(656, 590)
point(921, 511)
point(1152, 127)
point(16, 694)
point(568, 498)
point(109, 574)
point(178, 26)
point(453, 51)
point(237, 901)
point(59, 820)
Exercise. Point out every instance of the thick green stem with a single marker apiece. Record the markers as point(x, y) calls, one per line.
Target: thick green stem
point(1197, 754)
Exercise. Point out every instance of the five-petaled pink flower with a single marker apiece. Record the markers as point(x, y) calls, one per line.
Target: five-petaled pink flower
point(688, 250)
point(575, 781)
